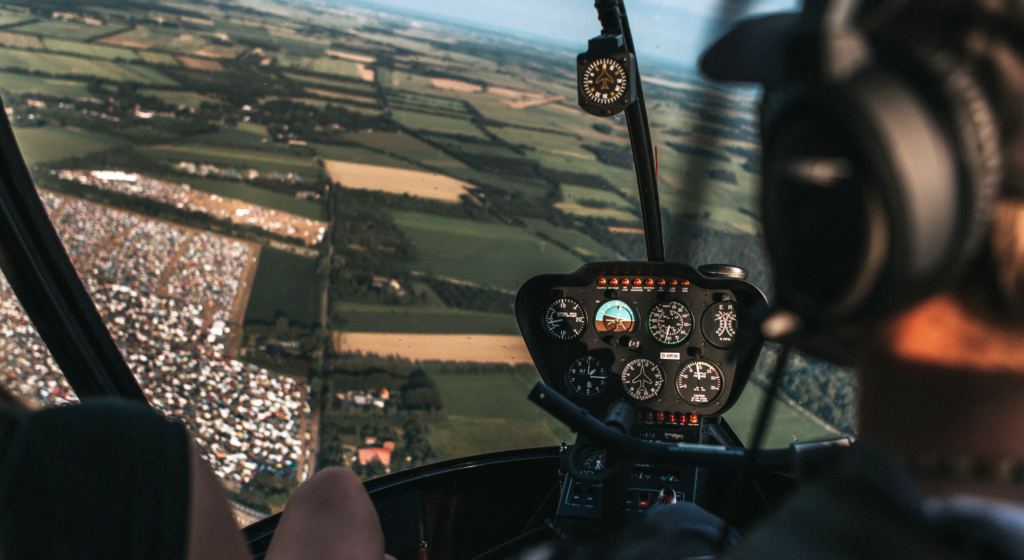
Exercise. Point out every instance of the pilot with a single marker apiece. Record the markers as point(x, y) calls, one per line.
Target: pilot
point(893, 187)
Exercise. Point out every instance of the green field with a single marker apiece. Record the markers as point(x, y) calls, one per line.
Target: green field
point(91, 50)
point(8, 17)
point(50, 143)
point(580, 243)
point(788, 425)
point(239, 158)
point(490, 413)
point(577, 193)
point(159, 58)
point(364, 317)
point(242, 191)
point(19, 41)
point(231, 136)
point(604, 213)
point(178, 97)
point(364, 88)
point(405, 146)
point(285, 283)
point(17, 83)
point(485, 253)
point(435, 123)
point(66, 29)
point(320, 65)
point(361, 155)
point(66, 65)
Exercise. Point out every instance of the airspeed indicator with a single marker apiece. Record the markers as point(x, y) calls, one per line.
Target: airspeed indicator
point(565, 319)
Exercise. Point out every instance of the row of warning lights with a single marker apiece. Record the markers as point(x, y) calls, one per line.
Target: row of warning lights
point(641, 282)
point(669, 417)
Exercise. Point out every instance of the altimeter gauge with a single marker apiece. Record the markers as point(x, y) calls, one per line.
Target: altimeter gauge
point(670, 323)
point(720, 323)
point(587, 377)
point(699, 382)
point(642, 379)
point(565, 319)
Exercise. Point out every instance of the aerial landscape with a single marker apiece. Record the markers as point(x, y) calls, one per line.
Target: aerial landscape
point(305, 223)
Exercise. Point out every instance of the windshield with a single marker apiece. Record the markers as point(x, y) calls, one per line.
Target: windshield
point(305, 223)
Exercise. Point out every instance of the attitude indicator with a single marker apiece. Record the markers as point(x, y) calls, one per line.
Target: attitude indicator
point(642, 379)
point(615, 316)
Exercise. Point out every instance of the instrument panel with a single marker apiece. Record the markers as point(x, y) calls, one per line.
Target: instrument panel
point(660, 335)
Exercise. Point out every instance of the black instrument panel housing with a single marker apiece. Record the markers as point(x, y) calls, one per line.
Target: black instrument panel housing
point(552, 357)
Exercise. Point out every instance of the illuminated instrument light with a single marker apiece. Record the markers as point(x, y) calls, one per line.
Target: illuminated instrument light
point(637, 282)
point(625, 281)
point(693, 417)
point(649, 282)
point(684, 282)
point(650, 417)
point(661, 417)
point(670, 417)
point(639, 415)
point(601, 281)
point(614, 281)
point(661, 282)
point(673, 282)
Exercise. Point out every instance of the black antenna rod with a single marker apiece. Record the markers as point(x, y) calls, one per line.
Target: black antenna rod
point(612, 14)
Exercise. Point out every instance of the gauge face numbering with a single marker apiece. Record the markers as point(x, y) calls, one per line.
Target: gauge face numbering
point(604, 81)
point(670, 323)
point(587, 377)
point(565, 319)
point(719, 324)
point(642, 379)
point(699, 382)
point(615, 316)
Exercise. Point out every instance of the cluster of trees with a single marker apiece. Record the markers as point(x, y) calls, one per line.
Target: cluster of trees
point(288, 119)
point(472, 298)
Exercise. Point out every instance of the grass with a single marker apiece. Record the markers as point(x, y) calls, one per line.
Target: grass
point(255, 195)
point(237, 157)
point(360, 155)
point(321, 65)
point(490, 413)
point(50, 143)
point(579, 242)
point(65, 65)
point(363, 87)
point(16, 84)
point(14, 18)
point(576, 192)
point(19, 41)
point(434, 123)
point(230, 136)
point(406, 146)
point(787, 423)
point(491, 254)
point(363, 317)
point(91, 50)
point(285, 283)
point(605, 213)
point(66, 30)
point(159, 58)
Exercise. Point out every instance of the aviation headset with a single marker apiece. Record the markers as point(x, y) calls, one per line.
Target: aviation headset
point(881, 161)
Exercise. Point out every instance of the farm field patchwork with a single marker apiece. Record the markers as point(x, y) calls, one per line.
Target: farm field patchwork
point(255, 195)
point(17, 83)
point(66, 65)
point(491, 254)
point(66, 30)
point(406, 146)
point(221, 155)
point(48, 143)
point(179, 97)
point(572, 193)
point(366, 317)
point(451, 347)
point(355, 154)
point(423, 184)
point(284, 283)
point(579, 242)
point(90, 50)
point(435, 123)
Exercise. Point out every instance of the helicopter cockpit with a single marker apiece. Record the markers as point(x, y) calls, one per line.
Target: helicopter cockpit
point(332, 234)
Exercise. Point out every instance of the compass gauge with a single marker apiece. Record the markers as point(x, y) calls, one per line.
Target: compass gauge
point(587, 377)
point(604, 81)
point(642, 379)
point(720, 324)
point(565, 319)
point(670, 323)
point(699, 382)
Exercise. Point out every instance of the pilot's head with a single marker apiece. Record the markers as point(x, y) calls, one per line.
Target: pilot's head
point(893, 175)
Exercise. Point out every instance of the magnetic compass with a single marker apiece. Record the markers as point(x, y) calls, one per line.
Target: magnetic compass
point(565, 319)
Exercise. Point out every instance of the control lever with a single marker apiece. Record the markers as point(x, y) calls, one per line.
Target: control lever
point(592, 463)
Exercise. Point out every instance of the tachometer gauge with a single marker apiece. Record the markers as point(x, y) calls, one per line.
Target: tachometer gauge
point(699, 382)
point(587, 377)
point(565, 319)
point(642, 379)
point(670, 323)
point(615, 316)
point(719, 324)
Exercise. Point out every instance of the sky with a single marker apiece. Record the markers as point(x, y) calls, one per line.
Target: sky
point(668, 31)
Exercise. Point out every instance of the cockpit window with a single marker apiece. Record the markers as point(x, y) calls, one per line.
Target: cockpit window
point(305, 224)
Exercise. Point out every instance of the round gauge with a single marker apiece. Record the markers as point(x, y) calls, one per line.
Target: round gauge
point(642, 379)
point(587, 377)
point(565, 319)
point(615, 316)
point(670, 323)
point(593, 463)
point(699, 382)
point(604, 81)
point(719, 324)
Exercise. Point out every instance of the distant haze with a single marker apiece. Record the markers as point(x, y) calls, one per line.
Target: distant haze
point(672, 32)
